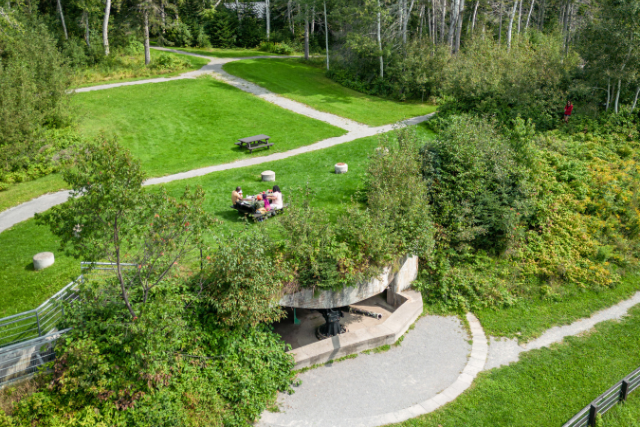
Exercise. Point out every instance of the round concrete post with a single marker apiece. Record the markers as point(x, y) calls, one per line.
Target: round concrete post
point(341, 168)
point(42, 260)
point(268, 176)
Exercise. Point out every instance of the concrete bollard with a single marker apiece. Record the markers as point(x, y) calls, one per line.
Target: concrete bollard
point(341, 168)
point(268, 176)
point(42, 260)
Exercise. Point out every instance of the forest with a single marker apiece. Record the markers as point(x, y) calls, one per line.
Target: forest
point(511, 206)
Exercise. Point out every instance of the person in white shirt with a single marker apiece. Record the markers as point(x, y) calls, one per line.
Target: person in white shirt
point(276, 198)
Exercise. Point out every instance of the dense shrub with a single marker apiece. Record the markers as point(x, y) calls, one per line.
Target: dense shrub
point(537, 215)
point(277, 48)
point(33, 81)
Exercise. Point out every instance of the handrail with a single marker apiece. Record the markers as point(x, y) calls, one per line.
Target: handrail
point(586, 417)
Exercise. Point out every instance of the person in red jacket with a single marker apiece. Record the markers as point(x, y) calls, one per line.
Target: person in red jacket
point(568, 109)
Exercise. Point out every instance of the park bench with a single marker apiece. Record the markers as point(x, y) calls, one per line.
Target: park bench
point(253, 142)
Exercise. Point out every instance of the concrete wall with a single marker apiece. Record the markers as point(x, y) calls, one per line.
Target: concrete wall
point(396, 279)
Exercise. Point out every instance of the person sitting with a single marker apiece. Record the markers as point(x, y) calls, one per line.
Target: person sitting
point(276, 198)
point(236, 196)
point(267, 205)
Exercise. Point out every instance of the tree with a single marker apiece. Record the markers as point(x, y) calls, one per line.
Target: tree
point(111, 217)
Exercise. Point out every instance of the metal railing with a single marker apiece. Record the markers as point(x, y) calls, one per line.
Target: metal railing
point(40, 321)
point(22, 360)
point(618, 393)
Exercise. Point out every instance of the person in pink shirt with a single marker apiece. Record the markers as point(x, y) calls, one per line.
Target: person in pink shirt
point(568, 109)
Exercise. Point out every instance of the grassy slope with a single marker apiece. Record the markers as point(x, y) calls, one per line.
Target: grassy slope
point(548, 386)
point(25, 191)
point(96, 76)
point(23, 288)
point(187, 124)
point(530, 319)
point(308, 84)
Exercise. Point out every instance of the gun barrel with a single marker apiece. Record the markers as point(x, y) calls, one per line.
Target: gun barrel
point(356, 310)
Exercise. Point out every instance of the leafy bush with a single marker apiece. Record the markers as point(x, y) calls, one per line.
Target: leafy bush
point(164, 61)
point(537, 215)
point(277, 48)
point(33, 81)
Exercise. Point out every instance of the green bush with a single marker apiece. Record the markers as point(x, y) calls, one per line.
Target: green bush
point(277, 48)
point(33, 81)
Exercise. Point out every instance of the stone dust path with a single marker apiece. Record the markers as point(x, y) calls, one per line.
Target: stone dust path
point(434, 364)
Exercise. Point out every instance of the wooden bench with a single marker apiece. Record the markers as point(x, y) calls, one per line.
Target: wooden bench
point(253, 142)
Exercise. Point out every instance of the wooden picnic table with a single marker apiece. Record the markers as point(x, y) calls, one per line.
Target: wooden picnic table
point(253, 142)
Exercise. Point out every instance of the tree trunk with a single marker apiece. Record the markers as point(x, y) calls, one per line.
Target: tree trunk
point(543, 8)
point(617, 102)
point(529, 15)
point(306, 33)
point(406, 20)
point(380, 42)
point(500, 29)
point(313, 19)
point(442, 23)
point(453, 25)
point(459, 31)
point(87, 31)
point(105, 27)
point(267, 15)
point(326, 33)
point(147, 50)
point(64, 26)
point(513, 15)
point(608, 94)
point(475, 14)
point(520, 17)
point(635, 100)
point(289, 17)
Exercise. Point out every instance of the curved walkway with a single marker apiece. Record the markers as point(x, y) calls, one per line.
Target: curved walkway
point(434, 364)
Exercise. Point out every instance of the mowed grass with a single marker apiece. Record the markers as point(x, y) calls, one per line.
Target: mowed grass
point(624, 415)
point(226, 53)
point(530, 318)
point(22, 288)
point(187, 124)
point(307, 84)
point(331, 192)
point(25, 191)
point(547, 386)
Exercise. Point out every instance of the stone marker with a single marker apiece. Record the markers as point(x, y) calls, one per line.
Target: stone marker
point(268, 176)
point(42, 260)
point(341, 168)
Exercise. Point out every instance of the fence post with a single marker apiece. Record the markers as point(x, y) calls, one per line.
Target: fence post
point(38, 320)
point(624, 390)
point(593, 412)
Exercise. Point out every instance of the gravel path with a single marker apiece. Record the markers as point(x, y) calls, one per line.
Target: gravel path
point(355, 392)
point(503, 351)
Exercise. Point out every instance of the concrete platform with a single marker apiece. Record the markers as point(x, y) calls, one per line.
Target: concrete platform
point(364, 333)
point(434, 364)
point(305, 333)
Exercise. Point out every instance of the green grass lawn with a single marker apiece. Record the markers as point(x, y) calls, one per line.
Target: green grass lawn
point(25, 191)
point(307, 84)
point(547, 386)
point(624, 415)
point(21, 287)
point(187, 124)
point(132, 68)
point(530, 319)
point(331, 192)
point(225, 53)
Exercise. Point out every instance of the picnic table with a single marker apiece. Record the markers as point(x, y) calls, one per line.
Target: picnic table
point(245, 207)
point(256, 141)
